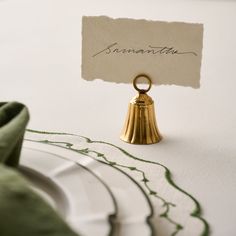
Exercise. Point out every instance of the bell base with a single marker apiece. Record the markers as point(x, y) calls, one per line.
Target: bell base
point(142, 142)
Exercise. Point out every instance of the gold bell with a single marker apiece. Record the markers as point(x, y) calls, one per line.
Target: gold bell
point(140, 125)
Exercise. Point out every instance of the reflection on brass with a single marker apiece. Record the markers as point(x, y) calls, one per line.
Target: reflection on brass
point(140, 125)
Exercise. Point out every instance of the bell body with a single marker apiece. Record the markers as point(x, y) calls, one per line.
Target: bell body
point(140, 125)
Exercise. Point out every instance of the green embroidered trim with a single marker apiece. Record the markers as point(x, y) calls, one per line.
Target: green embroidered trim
point(197, 212)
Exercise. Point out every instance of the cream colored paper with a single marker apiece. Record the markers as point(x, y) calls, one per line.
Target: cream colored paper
point(116, 50)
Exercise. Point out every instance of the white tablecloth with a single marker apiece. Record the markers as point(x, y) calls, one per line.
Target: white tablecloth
point(40, 58)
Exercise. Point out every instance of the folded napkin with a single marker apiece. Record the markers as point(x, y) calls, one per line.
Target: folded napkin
point(22, 211)
point(13, 120)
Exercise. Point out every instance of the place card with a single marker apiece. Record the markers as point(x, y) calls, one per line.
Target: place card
point(116, 50)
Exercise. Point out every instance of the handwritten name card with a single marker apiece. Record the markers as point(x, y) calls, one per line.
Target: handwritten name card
point(116, 50)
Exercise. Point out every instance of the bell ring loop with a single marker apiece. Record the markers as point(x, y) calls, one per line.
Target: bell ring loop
point(148, 80)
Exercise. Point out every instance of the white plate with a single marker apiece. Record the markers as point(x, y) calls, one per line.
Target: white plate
point(79, 196)
point(134, 207)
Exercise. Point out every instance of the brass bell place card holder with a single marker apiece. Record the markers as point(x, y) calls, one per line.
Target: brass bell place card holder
point(140, 126)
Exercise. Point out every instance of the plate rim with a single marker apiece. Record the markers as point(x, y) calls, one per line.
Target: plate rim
point(147, 218)
point(111, 217)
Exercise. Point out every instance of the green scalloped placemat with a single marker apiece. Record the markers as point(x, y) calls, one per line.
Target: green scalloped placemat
point(177, 212)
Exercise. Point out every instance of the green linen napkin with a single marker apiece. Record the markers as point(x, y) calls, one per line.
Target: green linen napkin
point(22, 211)
point(13, 120)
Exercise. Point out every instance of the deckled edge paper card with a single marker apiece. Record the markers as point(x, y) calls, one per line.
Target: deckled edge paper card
point(116, 50)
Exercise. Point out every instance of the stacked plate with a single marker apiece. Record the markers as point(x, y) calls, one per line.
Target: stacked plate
point(93, 197)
